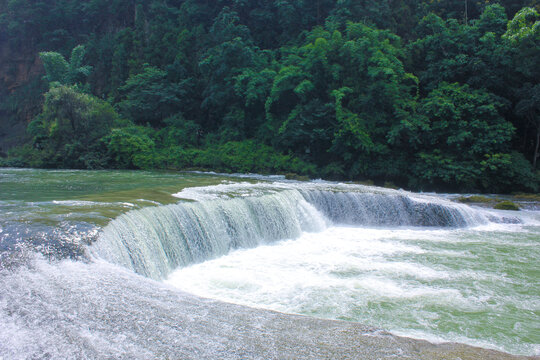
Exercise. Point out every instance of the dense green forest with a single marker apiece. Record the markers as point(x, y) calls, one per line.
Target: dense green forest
point(428, 95)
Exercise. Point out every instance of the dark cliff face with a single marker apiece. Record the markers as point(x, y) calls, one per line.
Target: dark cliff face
point(28, 27)
point(18, 67)
point(21, 71)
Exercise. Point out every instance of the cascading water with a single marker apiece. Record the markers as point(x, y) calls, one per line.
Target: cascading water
point(156, 240)
point(391, 209)
point(71, 260)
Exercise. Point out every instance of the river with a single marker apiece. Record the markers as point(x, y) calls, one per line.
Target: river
point(126, 264)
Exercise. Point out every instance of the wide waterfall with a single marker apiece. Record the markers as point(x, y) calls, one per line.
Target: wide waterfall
point(391, 209)
point(152, 265)
point(154, 241)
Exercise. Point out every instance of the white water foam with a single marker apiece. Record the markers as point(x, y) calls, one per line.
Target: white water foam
point(405, 262)
point(397, 279)
point(154, 241)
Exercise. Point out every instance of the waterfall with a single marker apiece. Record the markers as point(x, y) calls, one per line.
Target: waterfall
point(154, 241)
point(391, 209)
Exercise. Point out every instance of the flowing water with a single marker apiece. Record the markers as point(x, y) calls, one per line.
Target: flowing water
point(113, 264)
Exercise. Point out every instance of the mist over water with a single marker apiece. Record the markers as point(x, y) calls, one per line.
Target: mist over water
point(416, 265)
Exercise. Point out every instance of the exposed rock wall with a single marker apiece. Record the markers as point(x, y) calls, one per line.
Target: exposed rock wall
point(18, 69)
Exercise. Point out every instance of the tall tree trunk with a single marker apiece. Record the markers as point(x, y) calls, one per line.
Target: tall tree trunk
point(318, 12)
point(537, 145)
point(466, 12)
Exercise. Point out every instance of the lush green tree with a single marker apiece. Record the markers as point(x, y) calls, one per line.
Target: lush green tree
point(523, 33)
point(456, 9)
point(67, 133)
point(475, 54)
point(338, 98)
point(438, 94)
point(130, 147)
point(248, 156)
point(508, 172)
point(63, 72)
point(119, 63)
point(179, 132)
point(253, 86)
point(465, 139)
point(149, 97)
point(231, 53)
point(375, 13)
point(299, 106)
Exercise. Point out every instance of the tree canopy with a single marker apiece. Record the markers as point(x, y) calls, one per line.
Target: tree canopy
point(424, 94)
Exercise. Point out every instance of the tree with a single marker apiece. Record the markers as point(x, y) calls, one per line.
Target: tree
point(253, 86)
point(465, 137)
point(528, 108)
point(149, 97)
point(60, 71)
point(338, 98)
point(523, 33)
point(67, 133)
point(362, 89)
point(231, 51)
point(130, 148)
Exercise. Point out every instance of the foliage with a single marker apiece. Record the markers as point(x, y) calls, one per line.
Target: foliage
point(506, 205)
point(504, 172)
point(69, 129)
point(525, 26)
point(464, 138)
point(438, 95)
point(338, 98)
point(130, 148)
point(65, 73)
point(523, 34)
point(475, 199)
point(249, 157)
point(149, 97)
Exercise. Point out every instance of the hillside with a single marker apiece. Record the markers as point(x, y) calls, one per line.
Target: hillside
point(423, 94)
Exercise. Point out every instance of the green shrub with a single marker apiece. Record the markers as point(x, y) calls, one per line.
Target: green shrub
point(67, 133)
point(333, 171)
point(506, 205)
point(390, 185)
point(525, 196)
point(24, 156)
point(504, 173)
point(294, 176)
point(179, 132)
point(475, 199)
point(130, 148)
point(246, 157)
point(14, 162)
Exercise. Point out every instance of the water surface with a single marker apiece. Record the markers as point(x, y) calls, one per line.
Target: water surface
point(99, 265)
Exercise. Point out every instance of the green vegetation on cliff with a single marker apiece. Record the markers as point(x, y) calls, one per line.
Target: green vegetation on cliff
point(423, 94)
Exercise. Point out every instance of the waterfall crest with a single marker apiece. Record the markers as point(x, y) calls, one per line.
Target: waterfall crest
point(154, 241)
point(391, 209)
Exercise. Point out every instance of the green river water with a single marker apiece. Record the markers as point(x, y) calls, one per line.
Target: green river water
point(128, 264)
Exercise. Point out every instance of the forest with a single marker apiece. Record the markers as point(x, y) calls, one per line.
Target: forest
point(426, 95)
